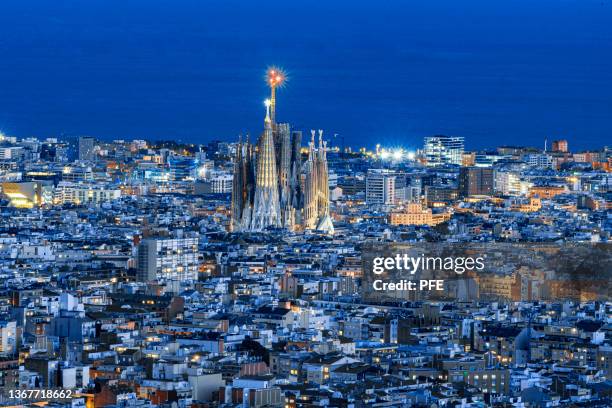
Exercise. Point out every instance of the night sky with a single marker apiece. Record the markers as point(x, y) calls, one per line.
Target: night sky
point(496, 72)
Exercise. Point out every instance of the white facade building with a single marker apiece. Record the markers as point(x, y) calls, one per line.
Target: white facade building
point(510, 183)
point(441, 150)
point(76, 193)
point(380, 187)
point(165, 258)
point(539, 160)
point(216, 182)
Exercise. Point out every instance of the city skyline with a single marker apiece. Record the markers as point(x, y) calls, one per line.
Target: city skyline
point(229, 204)
point(395, 73)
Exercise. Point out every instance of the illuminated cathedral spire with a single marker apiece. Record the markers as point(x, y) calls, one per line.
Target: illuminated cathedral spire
point(266, 207)
point(275, 77)
point(242, 187)
point(316, 187)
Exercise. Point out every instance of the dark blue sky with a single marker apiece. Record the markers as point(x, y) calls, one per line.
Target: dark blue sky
point(496, 72)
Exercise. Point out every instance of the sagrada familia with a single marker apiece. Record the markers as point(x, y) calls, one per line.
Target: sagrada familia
point(272, 186)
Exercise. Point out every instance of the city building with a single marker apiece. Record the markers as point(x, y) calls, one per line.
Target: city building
point(181, 168)
point(440, 196)
point(441, 150)
point(539, 160)
point(547, 192)
point(475, 181)
point(416, 214)
point(165, 258)
point(28, 194)
point(11, 152)
point(86, 148)
point(84, 193)
point(215, 183)
point(380, 187)
point(560, 146)
point(510, 183)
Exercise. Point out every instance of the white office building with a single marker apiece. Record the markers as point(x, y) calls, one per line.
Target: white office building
point(166, 258)
point(216, 182)
point(441, 150)
point(539, 160)
point(510, 183)
point(380, 187)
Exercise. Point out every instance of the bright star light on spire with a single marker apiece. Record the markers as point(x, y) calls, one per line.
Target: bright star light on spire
point(275, 77)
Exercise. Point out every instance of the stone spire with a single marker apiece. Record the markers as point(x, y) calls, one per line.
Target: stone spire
point(316, 187)
point(242, 187)
point(266, 207)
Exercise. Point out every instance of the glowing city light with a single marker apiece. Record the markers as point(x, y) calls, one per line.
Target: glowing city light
point(395, 154)
point(275, 77)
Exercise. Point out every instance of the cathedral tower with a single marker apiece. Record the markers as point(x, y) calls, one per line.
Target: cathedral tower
point(266, 206)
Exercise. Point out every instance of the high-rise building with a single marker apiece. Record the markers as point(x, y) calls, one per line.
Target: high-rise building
point(441, 150)
point(407, 188)
point(181, 168)
point(167, 259)
point(380, 187)
point(352, 185)
point(11, 153)
point(475, 181)
point(560, 146)
point(438, 195)
point(86, 148)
